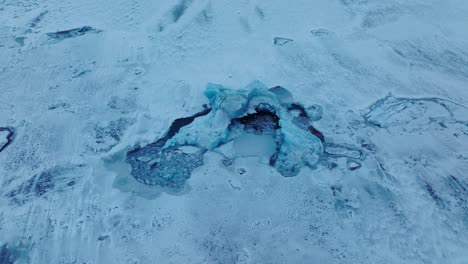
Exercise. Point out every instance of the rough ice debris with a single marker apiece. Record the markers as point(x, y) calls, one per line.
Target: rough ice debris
point(168, 168)
point(416, 114)
point(6, 137)
point(256, 120)
point(281, 41)
point(72, 33)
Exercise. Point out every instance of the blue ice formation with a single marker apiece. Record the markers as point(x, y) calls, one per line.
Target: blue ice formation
point(254, 117)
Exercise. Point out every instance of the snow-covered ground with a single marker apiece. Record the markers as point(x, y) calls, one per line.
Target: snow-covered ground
point(85, 84)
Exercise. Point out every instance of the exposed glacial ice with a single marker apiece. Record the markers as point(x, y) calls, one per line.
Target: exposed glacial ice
point(258, 120)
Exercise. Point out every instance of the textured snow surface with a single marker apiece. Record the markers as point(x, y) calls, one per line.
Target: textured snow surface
point(126, 136)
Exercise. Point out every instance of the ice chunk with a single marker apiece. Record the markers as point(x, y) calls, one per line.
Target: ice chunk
point(72, 33)
point(314, 112)
point(298, 149)
point(281, 41)
point(282, 94)
point(6, 137)
point(232, 102)
point(3, 138)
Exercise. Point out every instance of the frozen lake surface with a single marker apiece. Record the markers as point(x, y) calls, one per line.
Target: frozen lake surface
point(250, 131)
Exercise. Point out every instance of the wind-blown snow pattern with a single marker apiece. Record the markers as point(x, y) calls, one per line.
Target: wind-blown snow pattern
point(305, 131)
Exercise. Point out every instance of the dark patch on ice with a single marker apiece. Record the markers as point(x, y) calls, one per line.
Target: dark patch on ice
point(316, 133)
point(331, 165)
point(35, 22)
point(336, 189)
point(430, 190)
point(179, 10)
point(259, 122)
point(299, 108)
point(281, 41)
point(9, 138)
point(103, 237)
point(459, 191)
point(108, 135)
point(305, 119)
point(57, 179)
point(168, 168)
point(58, 105)
point(71, 183)
point(44, 183)
point(181, 122)
point(7, 257)
point(161, 27)
point(457, 185)
point(175, 127)
point(72, 33)
point(227, 162)
point(241, 171)
point(260, 12)
point(345, 205)
point(20, 40)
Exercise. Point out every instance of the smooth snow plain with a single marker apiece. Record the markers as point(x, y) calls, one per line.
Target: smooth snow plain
point(83, 84)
